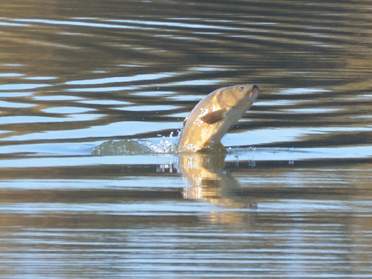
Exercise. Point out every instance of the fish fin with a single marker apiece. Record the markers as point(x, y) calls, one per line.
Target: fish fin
point(214, 116)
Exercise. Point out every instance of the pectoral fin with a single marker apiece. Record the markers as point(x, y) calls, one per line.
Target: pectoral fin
point(214, 116)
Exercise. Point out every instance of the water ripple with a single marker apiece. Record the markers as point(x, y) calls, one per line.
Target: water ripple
point(85, 88)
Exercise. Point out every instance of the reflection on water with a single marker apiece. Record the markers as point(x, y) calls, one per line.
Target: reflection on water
point(92, 97)
point(207, 181)
point(117, 221)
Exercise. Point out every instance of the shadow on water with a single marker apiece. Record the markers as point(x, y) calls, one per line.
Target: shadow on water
point(92, 96)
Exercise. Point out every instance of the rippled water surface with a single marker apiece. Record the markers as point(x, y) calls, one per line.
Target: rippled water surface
point(92, 97)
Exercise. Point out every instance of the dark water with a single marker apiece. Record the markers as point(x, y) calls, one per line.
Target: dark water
point(294, 199)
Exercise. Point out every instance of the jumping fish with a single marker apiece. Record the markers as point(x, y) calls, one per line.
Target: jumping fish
point(213, 116)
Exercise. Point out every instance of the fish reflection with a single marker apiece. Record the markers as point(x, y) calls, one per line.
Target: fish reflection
point(208, 181)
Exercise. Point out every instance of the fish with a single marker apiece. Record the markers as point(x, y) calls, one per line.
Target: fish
point(213, 116)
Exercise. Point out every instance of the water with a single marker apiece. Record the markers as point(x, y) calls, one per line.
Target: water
point(82, 82)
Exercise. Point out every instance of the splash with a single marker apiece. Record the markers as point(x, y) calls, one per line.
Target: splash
point(159, 145)
point(165, 145)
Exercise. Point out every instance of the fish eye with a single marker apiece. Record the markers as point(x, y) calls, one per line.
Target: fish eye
point(241, 88)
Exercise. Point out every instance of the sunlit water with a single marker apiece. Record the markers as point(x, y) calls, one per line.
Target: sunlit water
point(92, 97)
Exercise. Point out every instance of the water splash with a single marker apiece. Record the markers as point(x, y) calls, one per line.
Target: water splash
point(165, 145)
point(160, 145)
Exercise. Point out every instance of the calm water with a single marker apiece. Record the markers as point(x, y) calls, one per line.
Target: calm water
point(85, 84)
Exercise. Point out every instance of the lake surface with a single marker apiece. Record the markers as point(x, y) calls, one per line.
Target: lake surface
point(83, 82)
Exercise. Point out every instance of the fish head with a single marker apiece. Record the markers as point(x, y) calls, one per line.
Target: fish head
point(241, 95)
